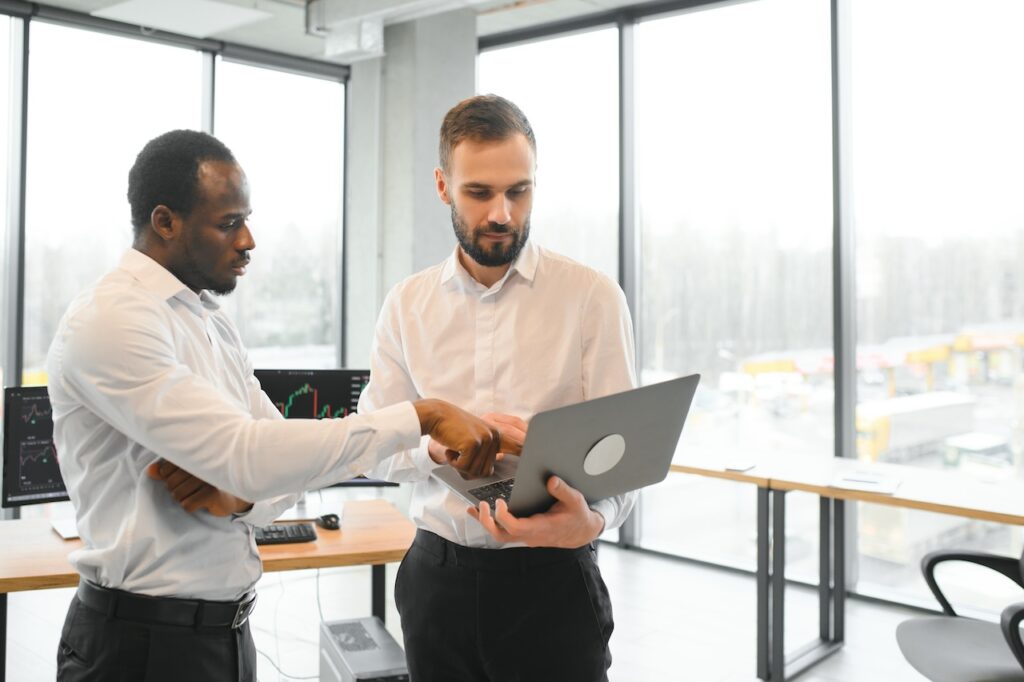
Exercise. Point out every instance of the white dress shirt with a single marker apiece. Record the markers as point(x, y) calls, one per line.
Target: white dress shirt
point(142, 368)
point(551, 332)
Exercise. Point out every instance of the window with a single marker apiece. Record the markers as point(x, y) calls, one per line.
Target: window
point(94, 101)
point(937, 147)
point(734, 188)
point(568, 88)
point(287, 133)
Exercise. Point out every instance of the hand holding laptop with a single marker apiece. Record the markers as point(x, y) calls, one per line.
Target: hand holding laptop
point(569, 523)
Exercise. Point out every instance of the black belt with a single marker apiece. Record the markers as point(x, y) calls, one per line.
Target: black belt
point(166, 610)
point(511, 559)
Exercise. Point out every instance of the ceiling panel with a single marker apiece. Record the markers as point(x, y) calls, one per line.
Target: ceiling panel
point(285, 30)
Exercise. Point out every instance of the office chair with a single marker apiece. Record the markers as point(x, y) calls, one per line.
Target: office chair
point(950, 648)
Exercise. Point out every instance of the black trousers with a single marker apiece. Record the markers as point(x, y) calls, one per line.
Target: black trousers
point(97, 647)
point(507, 615)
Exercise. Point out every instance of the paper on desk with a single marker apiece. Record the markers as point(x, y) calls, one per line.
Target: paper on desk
point(866, 482)
point(739, 465)
point(66, 528)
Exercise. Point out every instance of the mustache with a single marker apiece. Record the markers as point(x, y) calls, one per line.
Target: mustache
point(495, 228)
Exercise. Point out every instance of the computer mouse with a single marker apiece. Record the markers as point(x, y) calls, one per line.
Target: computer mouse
point(329, 522)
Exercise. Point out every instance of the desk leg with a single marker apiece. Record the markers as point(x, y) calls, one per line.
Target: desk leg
point(839, 571)
point(825, 568)
point(764, 636)
point(3, 637)
point(771, 584)
point(778, 587)
point(832, 571)
point(772, 663)
point(376, 591)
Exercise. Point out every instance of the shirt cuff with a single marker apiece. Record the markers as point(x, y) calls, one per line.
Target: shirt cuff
point(264, 512)
point(606, 509)
point(405, 421)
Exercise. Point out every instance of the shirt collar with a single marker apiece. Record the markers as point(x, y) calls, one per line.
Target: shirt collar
point(161, 281)
point(525, 264)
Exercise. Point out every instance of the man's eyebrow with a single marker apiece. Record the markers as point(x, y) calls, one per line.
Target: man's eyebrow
point(234, 215)
point(482, 185)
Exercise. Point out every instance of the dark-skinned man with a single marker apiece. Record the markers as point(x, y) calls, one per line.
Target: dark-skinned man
point(146, 368)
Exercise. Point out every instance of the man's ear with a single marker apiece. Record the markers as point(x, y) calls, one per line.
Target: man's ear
point(442, 186)
point(164, 223)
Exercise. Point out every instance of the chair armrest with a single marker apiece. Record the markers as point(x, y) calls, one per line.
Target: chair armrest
point(1008, 566)
point(1010, 622)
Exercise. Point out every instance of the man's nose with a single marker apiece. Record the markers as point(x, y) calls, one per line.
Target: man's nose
point(246, 242)
point(501, 210)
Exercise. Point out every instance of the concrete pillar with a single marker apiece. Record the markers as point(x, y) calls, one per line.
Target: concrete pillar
point(395, 224)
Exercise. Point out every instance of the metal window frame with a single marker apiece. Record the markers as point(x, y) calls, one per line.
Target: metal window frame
point(13, 230)
point(12, 234)
point(838, 528)
point(621, 16)
point(228, 50)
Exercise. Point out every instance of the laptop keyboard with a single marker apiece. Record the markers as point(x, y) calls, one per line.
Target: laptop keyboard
point(492, 492)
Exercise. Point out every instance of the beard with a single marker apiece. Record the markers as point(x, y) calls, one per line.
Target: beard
point(497, 254)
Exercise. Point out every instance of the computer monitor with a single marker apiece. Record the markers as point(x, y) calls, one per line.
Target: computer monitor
point(314, 393)
point(31, 474)
point(317, 394)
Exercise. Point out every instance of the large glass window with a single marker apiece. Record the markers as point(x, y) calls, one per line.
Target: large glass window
point(94, 101)
point(734, 187)
point(937, 144)
point(287, 132)
point(568, 88)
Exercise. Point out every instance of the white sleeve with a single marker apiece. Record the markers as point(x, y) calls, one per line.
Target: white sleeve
point(390, 383)
point(609, 366)
point(261, 407)
point(122, 366)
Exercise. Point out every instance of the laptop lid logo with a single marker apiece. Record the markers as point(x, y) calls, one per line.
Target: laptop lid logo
point(605, 454)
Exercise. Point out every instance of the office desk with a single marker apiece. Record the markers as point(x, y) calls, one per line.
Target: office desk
point(775, 475)
point(34, 557)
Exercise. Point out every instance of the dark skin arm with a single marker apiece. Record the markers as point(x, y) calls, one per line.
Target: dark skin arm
point(471, 445)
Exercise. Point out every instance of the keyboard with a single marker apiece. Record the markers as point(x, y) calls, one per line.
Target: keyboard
point(492, 492)
point(283, 533)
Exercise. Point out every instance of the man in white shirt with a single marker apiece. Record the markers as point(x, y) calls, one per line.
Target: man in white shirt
point(144, 366)
point(504, 329)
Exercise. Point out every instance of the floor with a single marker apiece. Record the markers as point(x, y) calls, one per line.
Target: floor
point(674, 621)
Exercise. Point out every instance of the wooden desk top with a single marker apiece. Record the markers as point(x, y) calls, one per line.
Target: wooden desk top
point(34, 557)
point(934, 490)
point(714, 467)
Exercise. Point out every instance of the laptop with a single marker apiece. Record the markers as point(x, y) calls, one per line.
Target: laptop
point(602, 447)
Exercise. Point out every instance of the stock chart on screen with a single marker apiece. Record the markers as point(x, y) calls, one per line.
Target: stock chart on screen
point(314, 393)
point(31, 473)
point(317, 394)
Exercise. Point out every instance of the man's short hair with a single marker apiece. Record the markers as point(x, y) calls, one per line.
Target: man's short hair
point(482, 118)
point(166, 172)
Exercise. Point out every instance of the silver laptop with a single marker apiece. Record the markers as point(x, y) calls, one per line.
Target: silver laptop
point(602, 447)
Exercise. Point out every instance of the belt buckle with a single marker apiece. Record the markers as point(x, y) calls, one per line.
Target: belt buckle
point(245, 609)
